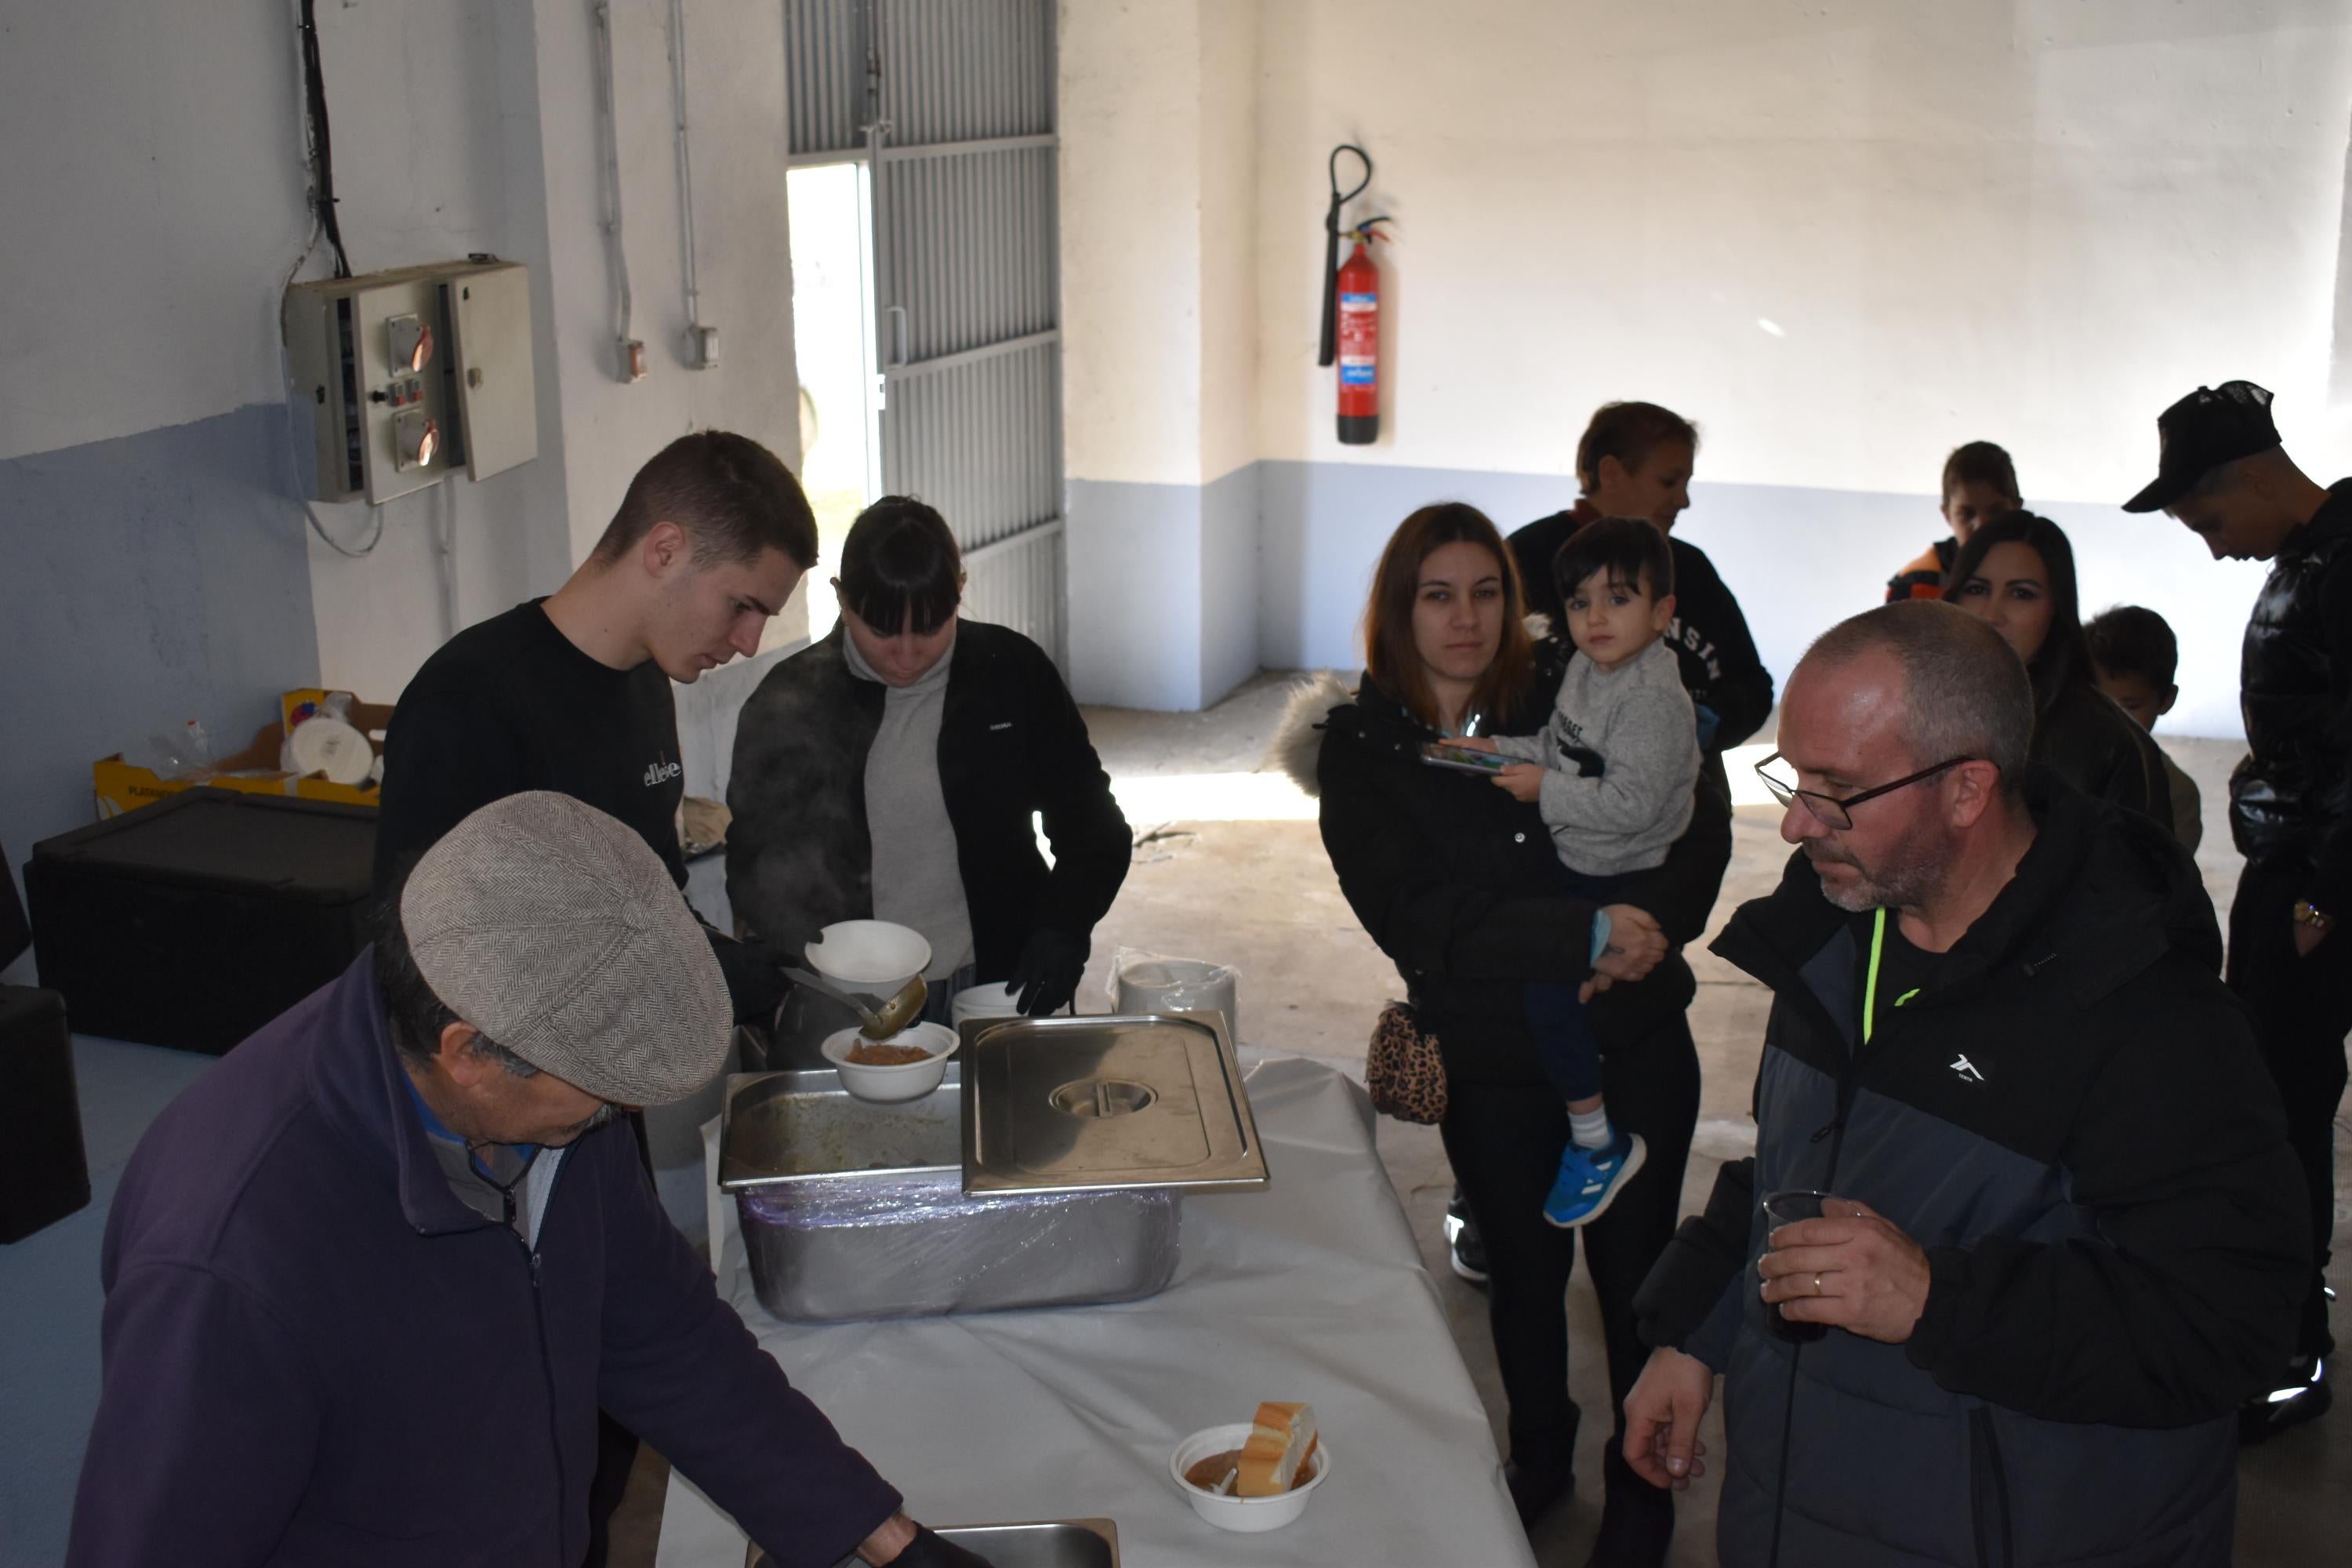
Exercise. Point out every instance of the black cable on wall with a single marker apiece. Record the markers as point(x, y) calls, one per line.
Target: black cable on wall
point(322, 152)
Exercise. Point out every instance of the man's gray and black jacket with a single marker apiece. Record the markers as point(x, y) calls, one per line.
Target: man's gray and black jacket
point(800, 855)
point(2072, 1120)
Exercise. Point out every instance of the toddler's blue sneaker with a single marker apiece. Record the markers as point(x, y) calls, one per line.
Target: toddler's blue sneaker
point(1589, 1178)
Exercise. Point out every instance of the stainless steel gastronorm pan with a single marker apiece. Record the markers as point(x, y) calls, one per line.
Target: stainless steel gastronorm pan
point(854, 1210)
point(1059, 1544)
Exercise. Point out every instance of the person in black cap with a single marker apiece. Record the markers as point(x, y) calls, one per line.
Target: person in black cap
point(2224, 474)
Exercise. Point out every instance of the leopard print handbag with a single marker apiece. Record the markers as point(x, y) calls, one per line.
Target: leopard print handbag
point(1401, 1069)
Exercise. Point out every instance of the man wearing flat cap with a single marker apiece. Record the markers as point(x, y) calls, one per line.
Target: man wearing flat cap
point(368, 1281)
point(2224, 474)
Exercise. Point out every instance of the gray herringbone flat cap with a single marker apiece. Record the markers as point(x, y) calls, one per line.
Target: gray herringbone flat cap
point(557, 932)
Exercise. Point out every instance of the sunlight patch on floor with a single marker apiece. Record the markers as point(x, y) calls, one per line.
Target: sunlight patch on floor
point(1210, 797)
point(1272, 797)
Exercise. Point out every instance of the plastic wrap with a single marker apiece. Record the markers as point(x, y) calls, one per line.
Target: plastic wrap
point(914, 1245)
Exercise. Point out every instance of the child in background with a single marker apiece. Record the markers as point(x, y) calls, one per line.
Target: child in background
point(2135, 655)
point(1980, 482)
point(1612, 772)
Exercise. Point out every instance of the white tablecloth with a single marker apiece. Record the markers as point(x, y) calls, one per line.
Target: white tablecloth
point(1312, 1289)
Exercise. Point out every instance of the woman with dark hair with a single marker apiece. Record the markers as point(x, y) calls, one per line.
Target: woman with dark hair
point(1459, 884)
point(2017, 573)
point(890, 772)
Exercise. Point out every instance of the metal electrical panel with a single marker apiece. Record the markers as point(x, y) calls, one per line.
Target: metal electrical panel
point(490, 356)
point(411, 373)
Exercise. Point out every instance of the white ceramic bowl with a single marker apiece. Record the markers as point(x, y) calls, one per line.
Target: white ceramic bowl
point(1247, 1515)
point(908, 1080)
point(869, 955)
point(984, 1001)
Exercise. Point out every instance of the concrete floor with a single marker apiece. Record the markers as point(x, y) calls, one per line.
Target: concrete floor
point(1256, 891)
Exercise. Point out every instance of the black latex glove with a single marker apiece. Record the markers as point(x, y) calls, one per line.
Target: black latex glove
point(755, 982)
point(1047, 975)
point(928, 1549)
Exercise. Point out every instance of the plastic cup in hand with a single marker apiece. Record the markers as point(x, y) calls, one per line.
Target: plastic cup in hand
point(1788, 1209)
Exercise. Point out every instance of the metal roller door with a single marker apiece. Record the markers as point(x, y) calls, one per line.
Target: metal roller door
point(950, 104)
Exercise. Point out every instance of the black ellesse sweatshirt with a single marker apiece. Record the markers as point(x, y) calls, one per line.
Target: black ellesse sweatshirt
point(510, 705)
point(1708, 633)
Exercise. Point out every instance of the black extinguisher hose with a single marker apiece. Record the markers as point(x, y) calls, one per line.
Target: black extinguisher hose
point(1330, 349)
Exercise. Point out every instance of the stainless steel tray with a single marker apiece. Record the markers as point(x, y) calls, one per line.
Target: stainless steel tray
point(851, 1210)
point(1057, 1543)
point(1094, 1104)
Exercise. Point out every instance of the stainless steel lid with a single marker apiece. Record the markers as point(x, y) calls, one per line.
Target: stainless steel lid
point(1095, 1104)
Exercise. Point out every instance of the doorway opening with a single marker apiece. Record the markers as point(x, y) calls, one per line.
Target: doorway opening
point(830, 210)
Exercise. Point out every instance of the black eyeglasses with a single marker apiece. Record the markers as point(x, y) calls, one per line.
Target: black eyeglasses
point(1829, 810)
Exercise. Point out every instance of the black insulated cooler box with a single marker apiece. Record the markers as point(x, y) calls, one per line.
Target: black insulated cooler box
point(194, 921)
point(44, 1175)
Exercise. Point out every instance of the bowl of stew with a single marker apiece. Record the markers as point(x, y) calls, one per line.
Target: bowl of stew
point(907, 1066)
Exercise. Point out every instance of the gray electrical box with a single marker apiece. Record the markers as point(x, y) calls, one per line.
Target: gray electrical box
point(412, 374)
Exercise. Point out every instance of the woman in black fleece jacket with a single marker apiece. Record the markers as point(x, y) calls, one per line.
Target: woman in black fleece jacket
point(1458, 883)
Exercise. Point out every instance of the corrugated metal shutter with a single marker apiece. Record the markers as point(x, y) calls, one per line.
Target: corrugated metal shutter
point(824, 61)
point(966, 275)
point(966, 70)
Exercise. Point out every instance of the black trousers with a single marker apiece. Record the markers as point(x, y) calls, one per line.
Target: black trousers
point(616, 1446)
point(2303, 1009)
point(1505, 1143)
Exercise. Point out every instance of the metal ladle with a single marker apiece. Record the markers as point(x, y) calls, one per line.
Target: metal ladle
point(891, 1014)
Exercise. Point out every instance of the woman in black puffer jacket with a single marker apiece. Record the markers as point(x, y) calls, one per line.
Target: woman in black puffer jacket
point(2017, 573)
point(1459, 884)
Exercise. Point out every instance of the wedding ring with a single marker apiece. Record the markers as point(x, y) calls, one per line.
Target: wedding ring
point(1817, 1286)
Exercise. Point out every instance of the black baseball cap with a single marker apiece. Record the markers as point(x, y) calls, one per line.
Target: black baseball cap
point(2210, 427)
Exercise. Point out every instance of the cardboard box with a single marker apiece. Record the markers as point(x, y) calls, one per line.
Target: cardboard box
point(119, 786)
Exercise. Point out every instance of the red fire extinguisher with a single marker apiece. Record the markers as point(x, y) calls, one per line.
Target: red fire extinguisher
point(1351, 309)
point(1359, 339)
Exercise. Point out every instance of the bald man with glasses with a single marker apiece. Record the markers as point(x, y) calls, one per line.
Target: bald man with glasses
point(2062, 1233)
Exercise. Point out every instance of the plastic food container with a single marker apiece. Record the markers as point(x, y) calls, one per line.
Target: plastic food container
point(1244, 1515)
point(984, 1002)
point(1145, 985)
point(887, 1085)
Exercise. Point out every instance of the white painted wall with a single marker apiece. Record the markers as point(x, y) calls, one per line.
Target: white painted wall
point(2037, 221)
point(1229, 78)
point(1159, 165)
point(436, 157)
point(149, 239)
point(735, 60)
point(154, 202)
point(1843, 236)
point(1159, 126)
point(1130, 172)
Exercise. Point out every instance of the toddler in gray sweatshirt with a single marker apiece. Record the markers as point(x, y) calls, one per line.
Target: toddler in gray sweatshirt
point(1613, 772)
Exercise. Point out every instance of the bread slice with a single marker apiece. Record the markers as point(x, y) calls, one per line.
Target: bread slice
point(1280, 1439)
